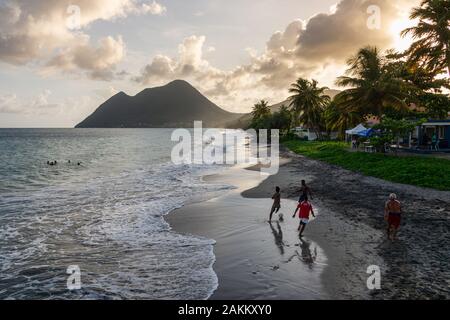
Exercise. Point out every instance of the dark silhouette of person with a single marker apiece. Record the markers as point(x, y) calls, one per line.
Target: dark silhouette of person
point(276, 203)
point(305, 192)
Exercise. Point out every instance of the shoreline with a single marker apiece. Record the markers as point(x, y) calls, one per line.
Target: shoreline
point(255, 260)
point(350, 232)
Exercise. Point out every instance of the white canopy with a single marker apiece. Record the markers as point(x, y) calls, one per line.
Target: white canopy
point(356, 130)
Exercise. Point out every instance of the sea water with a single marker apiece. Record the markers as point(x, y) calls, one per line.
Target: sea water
point(105, 216)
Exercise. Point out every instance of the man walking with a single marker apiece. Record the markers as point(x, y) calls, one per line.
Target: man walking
point(393, 215)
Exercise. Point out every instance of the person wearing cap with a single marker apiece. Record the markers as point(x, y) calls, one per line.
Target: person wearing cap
point(393, 216)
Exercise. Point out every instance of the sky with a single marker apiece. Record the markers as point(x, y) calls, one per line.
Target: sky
point(60, 59)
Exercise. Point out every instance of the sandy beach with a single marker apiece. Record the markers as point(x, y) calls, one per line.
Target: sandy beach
point(258, 260)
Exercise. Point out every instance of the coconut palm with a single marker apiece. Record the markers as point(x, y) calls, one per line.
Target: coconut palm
point(261, 110)
point(339, 120)
point(260, 115)
point(432, 35)
point(372, 86)
point(308, 103)
point(282, 120)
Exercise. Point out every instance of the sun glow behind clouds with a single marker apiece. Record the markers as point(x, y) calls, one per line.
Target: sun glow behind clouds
point(396, 28)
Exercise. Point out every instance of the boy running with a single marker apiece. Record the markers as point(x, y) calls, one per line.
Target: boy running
point(276, 203)
point(306, 209)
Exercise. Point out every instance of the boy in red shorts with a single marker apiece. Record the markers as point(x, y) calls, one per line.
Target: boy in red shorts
point(305, 209)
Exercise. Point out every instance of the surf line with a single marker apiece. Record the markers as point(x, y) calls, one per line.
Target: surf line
point(195, 311)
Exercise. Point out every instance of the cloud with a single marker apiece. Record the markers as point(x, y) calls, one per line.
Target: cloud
point(190, 62)
point(333, 36)
point(70, 110)
point(40, 32)
point(154, 8)
point(99, 62)
point(37, 105)
point(317, 47)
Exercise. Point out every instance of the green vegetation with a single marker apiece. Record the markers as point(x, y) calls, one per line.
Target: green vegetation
point(412, 170)
point(308, 102)
point(264, 119)
point(398, 88)
point(431, 48)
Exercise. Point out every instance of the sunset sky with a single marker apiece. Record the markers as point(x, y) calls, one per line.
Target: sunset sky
point(58, 66)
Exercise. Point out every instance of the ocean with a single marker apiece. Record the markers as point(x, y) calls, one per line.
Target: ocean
point(105, 216)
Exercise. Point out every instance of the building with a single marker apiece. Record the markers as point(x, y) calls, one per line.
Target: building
point(441, 128)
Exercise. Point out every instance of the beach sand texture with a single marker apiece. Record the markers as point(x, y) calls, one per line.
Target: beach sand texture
point(253, 260)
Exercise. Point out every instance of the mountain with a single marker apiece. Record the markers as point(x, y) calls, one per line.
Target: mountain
point(175, 105)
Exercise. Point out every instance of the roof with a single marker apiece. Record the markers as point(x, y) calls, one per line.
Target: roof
point(437, 123)
point(356, 130)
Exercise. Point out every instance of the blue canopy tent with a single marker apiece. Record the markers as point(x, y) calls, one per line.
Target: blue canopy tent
point(356, 131)
point(366, 133)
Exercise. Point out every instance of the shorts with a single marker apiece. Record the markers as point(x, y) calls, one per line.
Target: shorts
point(394, 220)
point(276, 208)
point(304, 221)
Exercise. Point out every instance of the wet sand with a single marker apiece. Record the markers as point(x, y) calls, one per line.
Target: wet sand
point(255, 262)
point(254, 259)
point(415, 267)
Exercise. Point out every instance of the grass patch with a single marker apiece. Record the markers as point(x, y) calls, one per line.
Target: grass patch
point(418, 171)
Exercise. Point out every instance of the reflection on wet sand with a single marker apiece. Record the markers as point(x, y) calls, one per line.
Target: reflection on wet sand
point(309, 256)
point(278, 235)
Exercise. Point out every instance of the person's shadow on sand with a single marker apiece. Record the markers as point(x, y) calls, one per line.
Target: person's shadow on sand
point(278, 235)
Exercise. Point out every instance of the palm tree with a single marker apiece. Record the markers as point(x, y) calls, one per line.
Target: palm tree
point(339, 120)
point(260, 115)
point(282, 120)
point(372, 86)
point(308, 103)
point(420, 79)
point(432, 35)
point(261, 110)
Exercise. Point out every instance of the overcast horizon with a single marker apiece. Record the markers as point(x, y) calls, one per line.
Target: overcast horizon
point(61, 59)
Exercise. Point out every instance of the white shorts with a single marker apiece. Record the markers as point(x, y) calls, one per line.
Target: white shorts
point(304, 221)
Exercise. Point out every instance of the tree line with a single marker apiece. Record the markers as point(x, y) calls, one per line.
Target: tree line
point(394, 87)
